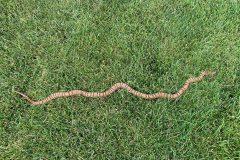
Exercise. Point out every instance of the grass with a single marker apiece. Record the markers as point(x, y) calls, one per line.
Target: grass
point(47, 46)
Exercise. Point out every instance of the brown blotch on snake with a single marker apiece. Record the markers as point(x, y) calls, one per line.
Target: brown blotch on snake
point(118, 86)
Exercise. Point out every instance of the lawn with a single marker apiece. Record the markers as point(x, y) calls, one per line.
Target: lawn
point(153, 45)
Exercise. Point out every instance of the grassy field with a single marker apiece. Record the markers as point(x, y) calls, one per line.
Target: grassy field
point(153, 45)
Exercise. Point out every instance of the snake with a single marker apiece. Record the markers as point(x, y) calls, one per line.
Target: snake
point(116, 87)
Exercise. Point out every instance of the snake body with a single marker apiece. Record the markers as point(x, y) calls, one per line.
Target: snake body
point(116, 87)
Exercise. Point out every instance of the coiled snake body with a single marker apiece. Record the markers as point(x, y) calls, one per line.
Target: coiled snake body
point(117, 86)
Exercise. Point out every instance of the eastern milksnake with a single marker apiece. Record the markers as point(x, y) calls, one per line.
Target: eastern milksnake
point(117, 86)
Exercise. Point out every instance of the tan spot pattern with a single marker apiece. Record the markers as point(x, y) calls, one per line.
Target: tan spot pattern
point(117, 86)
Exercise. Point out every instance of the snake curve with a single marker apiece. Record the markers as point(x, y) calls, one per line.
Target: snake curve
point(116, 87)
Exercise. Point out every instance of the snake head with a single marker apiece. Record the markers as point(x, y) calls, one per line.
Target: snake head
point(208, 72)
